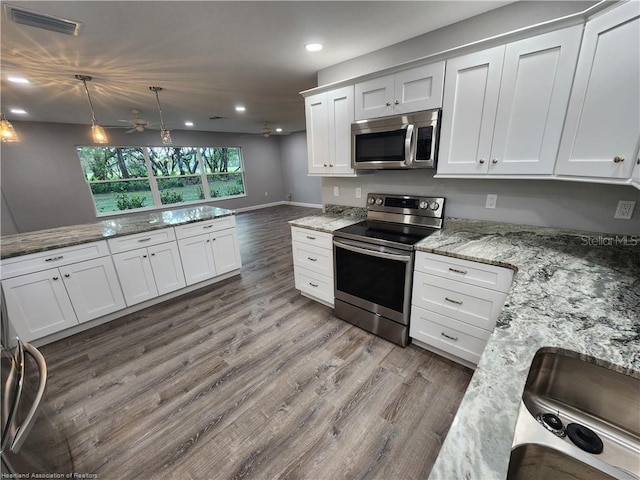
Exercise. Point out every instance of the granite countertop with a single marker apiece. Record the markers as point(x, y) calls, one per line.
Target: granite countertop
point(43, 240)
point(572, 290)
point(335, 217)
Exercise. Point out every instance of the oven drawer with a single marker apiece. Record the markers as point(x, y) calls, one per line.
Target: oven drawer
point(319, 260)
point(311, 237)
point(448, 334)
point(472, 273)
point(476, 306)
point(314, 284)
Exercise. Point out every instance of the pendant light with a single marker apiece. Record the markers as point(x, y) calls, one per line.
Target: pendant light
point(98, 133)
point(7, 132)
point(165, 135)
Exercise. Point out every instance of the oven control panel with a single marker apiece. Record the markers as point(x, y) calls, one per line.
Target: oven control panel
point(406, 205)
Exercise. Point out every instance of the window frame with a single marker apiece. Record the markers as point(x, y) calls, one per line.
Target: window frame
point(153, 179)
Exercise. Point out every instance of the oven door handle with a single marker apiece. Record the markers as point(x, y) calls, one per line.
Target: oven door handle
point(355, 247)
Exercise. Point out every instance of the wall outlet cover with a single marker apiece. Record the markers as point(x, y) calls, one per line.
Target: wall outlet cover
point(625, 209)
point(358, 192)
point(492, 200)
point(336, 191)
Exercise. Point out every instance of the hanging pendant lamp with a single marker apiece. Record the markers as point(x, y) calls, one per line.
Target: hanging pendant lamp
point(7, 132)
point(97, 132)
point(165, 135)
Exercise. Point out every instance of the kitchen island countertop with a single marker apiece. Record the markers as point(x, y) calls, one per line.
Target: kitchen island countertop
point(43, 240)
point(572, 290)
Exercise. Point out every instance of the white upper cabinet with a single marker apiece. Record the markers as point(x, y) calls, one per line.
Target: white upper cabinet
point(411, 90)
point(329, 116)
point(504, 107)
point(602, 127)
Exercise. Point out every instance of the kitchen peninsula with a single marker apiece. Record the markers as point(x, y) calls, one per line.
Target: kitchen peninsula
point(85, 275)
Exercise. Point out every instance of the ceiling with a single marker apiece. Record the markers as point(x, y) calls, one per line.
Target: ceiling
point(208, 56)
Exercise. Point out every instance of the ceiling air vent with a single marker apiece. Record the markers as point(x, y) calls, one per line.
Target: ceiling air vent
point(41, 20)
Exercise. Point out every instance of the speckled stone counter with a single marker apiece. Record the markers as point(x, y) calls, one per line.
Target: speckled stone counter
point(335, 217)
point(572, 290)
point(43, 240)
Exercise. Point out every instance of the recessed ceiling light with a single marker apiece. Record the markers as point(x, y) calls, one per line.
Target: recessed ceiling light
point(313, 47)
point(278, 130)
point(18, 111)
point(188, 124)
point(240, 108)
point(17, 80)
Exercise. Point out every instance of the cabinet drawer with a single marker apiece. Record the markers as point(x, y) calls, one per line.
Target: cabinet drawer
point(311, 257)
point(472, 273)
point(311, 237)
point(314, 284)
point(138, 240)
point(36, 262)
point(208, 226)
point(473, 305)
point(447, 334)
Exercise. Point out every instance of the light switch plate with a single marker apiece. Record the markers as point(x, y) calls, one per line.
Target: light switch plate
point(492, 200)
point(336, 191)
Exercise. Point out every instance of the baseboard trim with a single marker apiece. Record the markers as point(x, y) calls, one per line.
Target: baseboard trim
point(300, 204)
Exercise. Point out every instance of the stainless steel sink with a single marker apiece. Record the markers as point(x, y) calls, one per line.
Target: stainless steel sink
point(580, 391)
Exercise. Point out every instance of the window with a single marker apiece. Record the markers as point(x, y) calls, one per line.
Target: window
point(133, 178)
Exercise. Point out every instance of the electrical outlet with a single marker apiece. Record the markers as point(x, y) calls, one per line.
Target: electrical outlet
point(266, 194)
point(625, 209)
point(358, 192)
point(492, 199)
point(336, 191)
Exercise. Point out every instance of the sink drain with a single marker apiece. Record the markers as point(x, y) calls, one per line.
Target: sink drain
point(552, 423)
point(584, 438)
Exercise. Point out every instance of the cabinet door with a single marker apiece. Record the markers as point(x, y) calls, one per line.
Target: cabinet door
point(374, 98)
point(197, 258)
point(534, 93)
point(340, 104)
point(38, 304)
point(167, 268)
point(418, 89)
point(316, 116)
point(603, 118)
point(226, 253)
point(93, 288)
point(136, 276)
point(472, 84)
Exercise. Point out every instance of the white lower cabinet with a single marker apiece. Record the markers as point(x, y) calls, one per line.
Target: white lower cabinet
point(455, 305)
point(146, 273)
point(40, 302)
point(313, 264)
point(207, 255)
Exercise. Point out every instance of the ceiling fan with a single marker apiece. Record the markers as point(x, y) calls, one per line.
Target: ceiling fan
point(137, 124)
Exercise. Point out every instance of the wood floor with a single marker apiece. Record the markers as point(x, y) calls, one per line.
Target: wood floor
point(249, 379)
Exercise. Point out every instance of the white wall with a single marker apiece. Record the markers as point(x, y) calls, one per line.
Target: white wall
point(551, 203)
point(43, 185)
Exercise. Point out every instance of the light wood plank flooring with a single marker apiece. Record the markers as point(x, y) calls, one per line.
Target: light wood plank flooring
point(249, 379)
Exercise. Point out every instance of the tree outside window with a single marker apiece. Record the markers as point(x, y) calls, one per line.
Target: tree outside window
point(133, 178)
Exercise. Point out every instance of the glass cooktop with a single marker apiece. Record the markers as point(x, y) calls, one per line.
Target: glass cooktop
point(385, 233)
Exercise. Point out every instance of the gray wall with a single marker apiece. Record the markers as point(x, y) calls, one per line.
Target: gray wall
point(552, 203)
point(495, 22)
point(303, 188)
point(43, 186)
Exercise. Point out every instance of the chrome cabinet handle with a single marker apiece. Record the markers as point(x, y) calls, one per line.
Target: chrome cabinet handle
point(66, 275)
point(207, 226)
point(481, 161)
point(463, 272)
point(310, 237)
point(457, 302)
point(388, 104)
point(313, 284)
point(455, 339)
point(312, 259)
point(144, 256)
point(618, 159)
point(141, 240)
point(56, 278)
point(397, 102)
point(638, 161)
point(494, 161)
point(153, 254)
point(53, 259)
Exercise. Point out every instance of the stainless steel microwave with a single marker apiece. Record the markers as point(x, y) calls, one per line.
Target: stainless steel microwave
point(398, 142)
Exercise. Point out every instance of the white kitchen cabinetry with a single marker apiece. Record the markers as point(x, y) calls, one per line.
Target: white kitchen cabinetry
point(313, 264)
point(328, 117)
point(208, 249)
point(411, 90)
point(602, 127)
point(455, 305)
point(51, 291)
point(504, 107)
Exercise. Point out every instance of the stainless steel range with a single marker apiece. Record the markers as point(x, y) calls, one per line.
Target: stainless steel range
point(373, 262)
